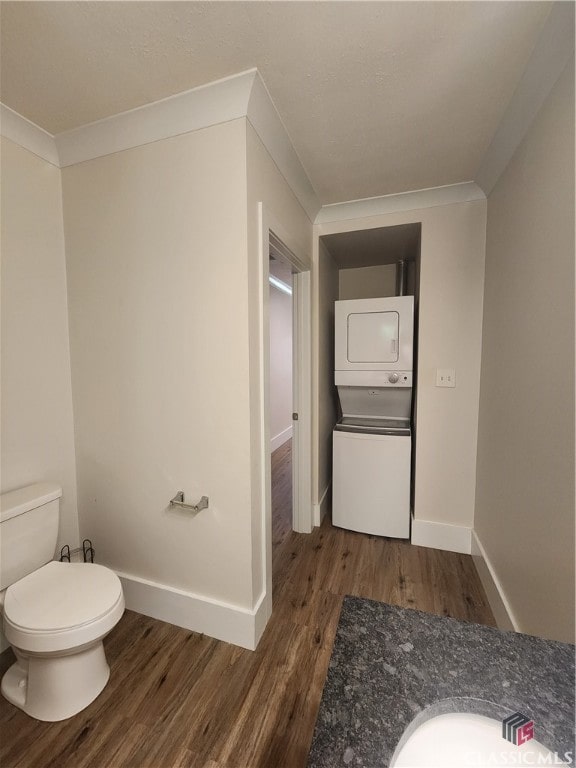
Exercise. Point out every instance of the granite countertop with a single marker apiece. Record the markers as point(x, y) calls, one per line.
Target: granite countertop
point(395, 667)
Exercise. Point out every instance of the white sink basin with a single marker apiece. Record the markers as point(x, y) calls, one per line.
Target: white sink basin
point(465, 740)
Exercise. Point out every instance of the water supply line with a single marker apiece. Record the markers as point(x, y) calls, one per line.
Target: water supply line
point(401, 278)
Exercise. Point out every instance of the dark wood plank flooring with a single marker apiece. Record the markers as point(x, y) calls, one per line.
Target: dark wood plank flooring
point(177, 699)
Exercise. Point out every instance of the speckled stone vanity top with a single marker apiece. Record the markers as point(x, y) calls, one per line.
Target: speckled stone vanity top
point(392, 668)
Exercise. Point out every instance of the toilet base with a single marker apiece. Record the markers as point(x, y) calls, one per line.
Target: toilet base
point(53, 688)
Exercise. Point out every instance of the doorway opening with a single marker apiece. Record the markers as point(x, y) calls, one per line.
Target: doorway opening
point(281, 408)
point(289, 399)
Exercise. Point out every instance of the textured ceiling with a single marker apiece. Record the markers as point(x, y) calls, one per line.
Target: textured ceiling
point(378, 97)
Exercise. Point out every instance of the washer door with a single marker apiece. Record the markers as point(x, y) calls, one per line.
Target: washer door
point(371, 480)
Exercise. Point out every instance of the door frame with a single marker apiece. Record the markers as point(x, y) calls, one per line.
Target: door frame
point(302, 509)
point(273, 234)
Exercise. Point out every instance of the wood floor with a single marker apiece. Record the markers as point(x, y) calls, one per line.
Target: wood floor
point(176, 698)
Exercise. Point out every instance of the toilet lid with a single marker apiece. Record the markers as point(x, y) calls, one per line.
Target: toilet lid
point(60, 596)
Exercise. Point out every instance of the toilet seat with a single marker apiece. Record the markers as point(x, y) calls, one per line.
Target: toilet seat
point(62, 606)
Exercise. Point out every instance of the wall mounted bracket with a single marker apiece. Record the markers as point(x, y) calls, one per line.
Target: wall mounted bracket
point(178, 501)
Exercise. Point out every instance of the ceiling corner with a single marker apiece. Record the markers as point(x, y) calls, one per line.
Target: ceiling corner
point(27, 134)
point(267, 123)
point(550, 56)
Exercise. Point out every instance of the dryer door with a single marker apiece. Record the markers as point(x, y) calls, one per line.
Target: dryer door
point(374, 334)
point(372, 337)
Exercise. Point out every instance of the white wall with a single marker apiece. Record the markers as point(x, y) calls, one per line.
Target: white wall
point(325, 294)
point(266, 185)
point(37, 423)
point(166, 378)
point(367, 282)
point(158, 293)
point(280, 367)
point(450, 325)
point(525, 485)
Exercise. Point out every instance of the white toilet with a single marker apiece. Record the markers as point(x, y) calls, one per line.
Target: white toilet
point(55, 614)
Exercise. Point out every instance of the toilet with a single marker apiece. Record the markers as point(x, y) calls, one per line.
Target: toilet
point(55, 615)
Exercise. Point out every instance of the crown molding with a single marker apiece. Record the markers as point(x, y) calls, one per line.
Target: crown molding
point(268, 124)
point(550, 56)
point(245, 95)
point(210, 104)
point(237, 96)
point(465, 192)
point(28, 135)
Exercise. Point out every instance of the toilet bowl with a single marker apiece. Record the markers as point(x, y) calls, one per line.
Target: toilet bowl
point(55, 616)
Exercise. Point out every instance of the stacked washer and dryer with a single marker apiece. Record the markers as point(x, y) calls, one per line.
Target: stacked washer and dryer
point(372, 442)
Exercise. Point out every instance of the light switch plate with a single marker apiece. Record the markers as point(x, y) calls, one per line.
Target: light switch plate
point(445, 377)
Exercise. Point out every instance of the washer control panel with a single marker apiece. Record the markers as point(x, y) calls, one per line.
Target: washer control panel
point(396, 379)
point(399, 379)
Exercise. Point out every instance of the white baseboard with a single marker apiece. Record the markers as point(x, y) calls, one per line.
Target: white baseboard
point(453, 538)
point(319, 510)
point(224, 621)
point(499, 604)
point(280, 438)
point(262, 614)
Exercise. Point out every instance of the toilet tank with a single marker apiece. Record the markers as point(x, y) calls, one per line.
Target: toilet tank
point(28, 530)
